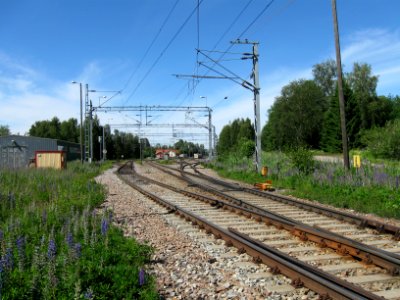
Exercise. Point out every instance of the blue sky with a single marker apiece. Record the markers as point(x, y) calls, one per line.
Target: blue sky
point(45, 44)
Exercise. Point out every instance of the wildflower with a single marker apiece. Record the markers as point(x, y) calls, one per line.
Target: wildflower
point(52, 249)
point(70, 240)
point(8, 261)
point(142, 277)
point(77, 249)
point(104, 226)
point(88, 294)
point(21, 253)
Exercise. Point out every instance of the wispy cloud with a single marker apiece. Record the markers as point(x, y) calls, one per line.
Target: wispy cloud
point(28, 96)
point(381, 49)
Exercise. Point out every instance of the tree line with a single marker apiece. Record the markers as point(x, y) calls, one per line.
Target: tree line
point(118, 144)
point(306, 114)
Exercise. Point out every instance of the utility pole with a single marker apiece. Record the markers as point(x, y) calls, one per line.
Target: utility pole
point(81, 124)
point(340, 88)
point(104, 146)
point(91, 131)
point(87, 124)
point(210, 149)
point(256, 100)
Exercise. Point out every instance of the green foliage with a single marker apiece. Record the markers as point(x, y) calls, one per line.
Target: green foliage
point(189, 148)
point(54, 129)
point(236, 137)
point(124, 145)
point(331, 135)
point(371, 189)
point(4, 130)
point(384, 142)
point(325, 75)
point(307, 112)
point(55, 244)
point(302, 159)
point(296, 116)
point(246, 148)
point(363, 85)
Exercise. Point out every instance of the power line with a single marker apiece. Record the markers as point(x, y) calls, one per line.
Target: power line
point(196, 79)
point(256, 18)
point(151, 44)
point(232, 24)
point(242, 33)
point(163, 51)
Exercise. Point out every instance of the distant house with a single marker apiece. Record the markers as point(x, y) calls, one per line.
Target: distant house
point(162, 153)
point(18, 151)
point(197, 155)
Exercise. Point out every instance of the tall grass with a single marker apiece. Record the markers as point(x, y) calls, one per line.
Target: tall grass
point(55, 244)
point(374, 188)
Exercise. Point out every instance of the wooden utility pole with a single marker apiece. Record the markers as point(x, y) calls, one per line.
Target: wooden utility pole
point(340, 89)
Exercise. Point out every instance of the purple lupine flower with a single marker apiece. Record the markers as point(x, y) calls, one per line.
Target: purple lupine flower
point(77, 249)
point(88, 294)
point(8, 261)
point(104, 226)
point(70, 240)
point(20, 242)
point(380, 177)
point(52, 249)
point(142, 277)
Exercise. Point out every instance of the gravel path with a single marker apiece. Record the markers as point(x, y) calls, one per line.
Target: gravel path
point(189, 264)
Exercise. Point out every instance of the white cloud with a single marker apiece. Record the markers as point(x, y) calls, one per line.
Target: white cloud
point(381, 49)
point(28, 96)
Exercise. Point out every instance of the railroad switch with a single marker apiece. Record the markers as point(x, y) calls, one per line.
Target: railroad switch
point(264, 186)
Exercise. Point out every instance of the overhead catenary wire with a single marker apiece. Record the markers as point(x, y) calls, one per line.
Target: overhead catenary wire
point(151, 44)
point(163, 51)
point(266, 7)
point(222, 37)
point(195, 81)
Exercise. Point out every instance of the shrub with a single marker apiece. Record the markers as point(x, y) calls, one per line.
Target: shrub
point(384, 142)
point(302, 159)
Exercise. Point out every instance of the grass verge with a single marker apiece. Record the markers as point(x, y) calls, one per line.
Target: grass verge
point(371, 189)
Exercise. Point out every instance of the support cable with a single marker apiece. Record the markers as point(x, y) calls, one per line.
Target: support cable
point(151, 45)
point(163, 52)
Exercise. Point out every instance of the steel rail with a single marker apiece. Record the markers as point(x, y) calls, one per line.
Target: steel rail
point(328, 286)
point(329, 212)
point(325, 238)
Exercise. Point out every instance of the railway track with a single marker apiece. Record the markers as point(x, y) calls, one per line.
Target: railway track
point(362, 230)
point(300, 252)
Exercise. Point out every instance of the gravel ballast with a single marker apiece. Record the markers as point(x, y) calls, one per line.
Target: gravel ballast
point(188, 263)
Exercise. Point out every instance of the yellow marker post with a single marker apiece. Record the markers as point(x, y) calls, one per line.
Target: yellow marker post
point(357, 161)
point(264, 171)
